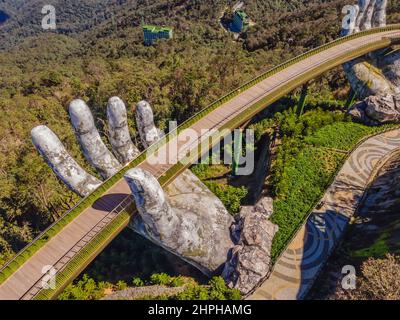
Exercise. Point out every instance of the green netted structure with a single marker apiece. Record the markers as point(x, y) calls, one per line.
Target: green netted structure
point(240, 21)
point(154, 33)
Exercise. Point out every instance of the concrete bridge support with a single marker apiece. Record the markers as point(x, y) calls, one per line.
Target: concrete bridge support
point(302, 100)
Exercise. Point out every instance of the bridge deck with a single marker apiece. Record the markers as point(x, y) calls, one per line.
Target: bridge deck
point(25, 283)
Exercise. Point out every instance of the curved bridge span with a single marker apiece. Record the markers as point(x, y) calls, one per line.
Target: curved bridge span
point(81, 239)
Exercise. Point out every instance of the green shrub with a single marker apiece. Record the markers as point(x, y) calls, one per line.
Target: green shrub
point(121, 285)
point(302, 183)
point(342, 135)
point(137, 282)
point(193, 292)
point(216, 290)
point(177, 282)
point(160, 279)
point(230, 196)
point(85, 289)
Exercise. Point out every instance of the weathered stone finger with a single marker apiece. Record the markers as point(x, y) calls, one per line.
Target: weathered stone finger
point(369, 14)
point(366, 79)
point(361, 17)
point(93, 147)
point(60, 161)
point(379, 17)
point(119, 136)
point(152, 205)
point(390, 65)
point(148, 132)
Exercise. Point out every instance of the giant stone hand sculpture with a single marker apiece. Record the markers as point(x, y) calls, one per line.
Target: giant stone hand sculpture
point(375, 78)
point(188, 219)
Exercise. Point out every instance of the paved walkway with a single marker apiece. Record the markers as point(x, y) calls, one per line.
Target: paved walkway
point(295, 271)
point(26, 281)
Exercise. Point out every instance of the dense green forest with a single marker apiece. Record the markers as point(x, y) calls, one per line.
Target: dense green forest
point(97, 52)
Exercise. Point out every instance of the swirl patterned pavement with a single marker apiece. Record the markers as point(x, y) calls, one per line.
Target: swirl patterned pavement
point(298, 266)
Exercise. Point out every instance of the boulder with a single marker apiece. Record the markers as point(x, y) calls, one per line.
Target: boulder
point(246, 268)
point(376, 110)
point(250, 260)
point(265, 206)
point(357, 112)
point(383, 108)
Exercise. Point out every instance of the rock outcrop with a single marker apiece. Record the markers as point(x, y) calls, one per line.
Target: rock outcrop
point(357, 112)
point(376, 110)
point(190, 222)
point(383, 108)
point(250, 259)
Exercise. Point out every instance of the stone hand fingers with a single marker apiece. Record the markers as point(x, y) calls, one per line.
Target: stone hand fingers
point(365, 15)
point(61, 162)
point(105, 162)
